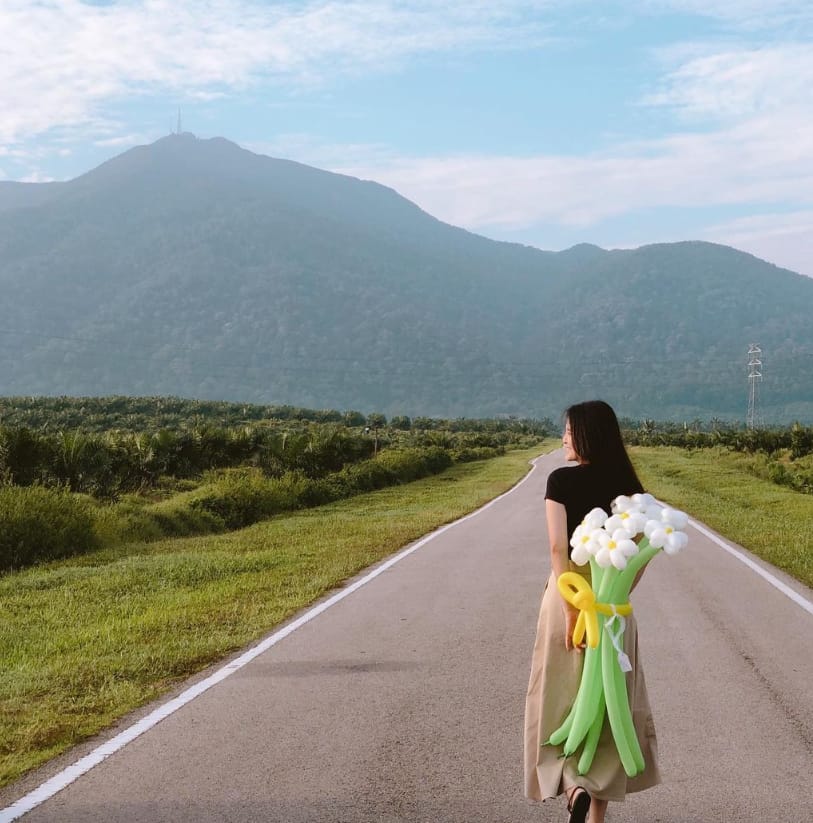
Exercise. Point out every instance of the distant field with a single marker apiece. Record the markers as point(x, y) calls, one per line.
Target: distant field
point(83, 641)
point(715, 486)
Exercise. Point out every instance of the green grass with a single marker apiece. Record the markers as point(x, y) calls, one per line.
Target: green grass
point(85, 640)
point(717, 487)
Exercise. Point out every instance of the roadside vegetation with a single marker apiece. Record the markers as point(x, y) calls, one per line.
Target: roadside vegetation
point(86, 639)
point(782, 455)
point(754, 486)
point(724, 489)
point(64, 491)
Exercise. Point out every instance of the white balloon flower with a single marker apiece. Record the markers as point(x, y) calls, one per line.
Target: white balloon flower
point(675, 542)
point(653, 512)
point(644, 501)
point(631, 521)
point(634, 503)
point(614, 549)
point(664, 532)
point(621, 503)
point(676, 519)
point(594, 519)
point(584, 544)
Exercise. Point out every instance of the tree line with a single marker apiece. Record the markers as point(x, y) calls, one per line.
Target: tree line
point(108, 464)
point(783, 455)
point(69, 491)
point(797, 439)
point(138, 414)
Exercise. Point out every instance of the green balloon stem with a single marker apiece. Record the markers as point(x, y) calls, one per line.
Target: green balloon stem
point(591, 743)
point(587, 697)
point(596, 574)
point(625, 715)
point(615, 705)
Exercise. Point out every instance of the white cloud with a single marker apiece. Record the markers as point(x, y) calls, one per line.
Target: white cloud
point(749, 15)
point(750, 146)
point(37, 177)
point(122, 141)
point(783, 238)
point(63, 59)
point(737, 82)
point(751, 163)
point(305, 148)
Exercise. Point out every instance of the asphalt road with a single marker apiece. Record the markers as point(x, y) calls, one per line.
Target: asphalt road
point(404, 701)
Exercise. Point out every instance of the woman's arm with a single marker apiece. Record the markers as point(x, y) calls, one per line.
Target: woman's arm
point(642, 569)
point(557, 539)
point(638, 577)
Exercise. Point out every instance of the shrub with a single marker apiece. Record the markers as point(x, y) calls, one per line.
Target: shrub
point(133, 519)
point(238, 497)
point(42, 524)
point(25, 455)
point(466, 455)
point(801, 441)
point(241, 497)
point(795, 474)
point(316, 492)
point(177, 518)
point(404, 465)
point(365, 476)
point(437, 459)
point(407, 465)
point(114, 525)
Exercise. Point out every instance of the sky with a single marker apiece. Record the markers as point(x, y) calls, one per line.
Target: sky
point(548, 123)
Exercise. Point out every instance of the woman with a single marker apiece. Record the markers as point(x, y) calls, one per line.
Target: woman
point(592, 438)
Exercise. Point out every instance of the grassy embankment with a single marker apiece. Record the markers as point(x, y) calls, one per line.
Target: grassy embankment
point(85, 640)
point(717, 487)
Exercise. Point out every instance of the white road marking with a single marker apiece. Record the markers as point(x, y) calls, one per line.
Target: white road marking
point(67, 776)
point(774, 581)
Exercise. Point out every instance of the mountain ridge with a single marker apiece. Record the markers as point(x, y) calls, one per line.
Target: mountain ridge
point(197, 268)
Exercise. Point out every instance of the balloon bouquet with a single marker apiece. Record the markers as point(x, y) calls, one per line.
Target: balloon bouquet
point(617, 547)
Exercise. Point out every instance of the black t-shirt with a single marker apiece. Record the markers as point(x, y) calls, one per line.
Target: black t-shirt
point(581, 488)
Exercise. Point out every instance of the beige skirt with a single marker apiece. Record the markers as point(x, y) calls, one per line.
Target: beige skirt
point(555, 677)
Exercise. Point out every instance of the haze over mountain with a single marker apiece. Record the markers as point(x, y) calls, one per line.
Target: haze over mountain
point(195, 268)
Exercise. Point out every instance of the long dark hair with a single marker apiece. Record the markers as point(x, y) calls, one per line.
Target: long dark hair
point(596, 438)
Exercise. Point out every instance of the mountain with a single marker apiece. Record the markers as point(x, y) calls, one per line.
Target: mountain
point(196, 268)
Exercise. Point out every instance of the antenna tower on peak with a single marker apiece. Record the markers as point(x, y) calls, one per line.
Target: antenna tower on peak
point(753, 419)
point(179, 121)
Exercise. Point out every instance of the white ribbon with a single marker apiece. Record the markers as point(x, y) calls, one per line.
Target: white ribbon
point(618, 638)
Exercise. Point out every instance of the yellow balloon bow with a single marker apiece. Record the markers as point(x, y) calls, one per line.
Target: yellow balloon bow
point(577, 591)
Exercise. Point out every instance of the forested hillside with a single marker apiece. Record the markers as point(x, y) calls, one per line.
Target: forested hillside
point(195, 268)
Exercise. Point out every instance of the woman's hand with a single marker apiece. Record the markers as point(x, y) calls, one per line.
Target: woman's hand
point(556, 515)
point(571, 616)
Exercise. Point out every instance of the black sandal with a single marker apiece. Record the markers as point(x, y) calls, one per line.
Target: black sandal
point(578, 805)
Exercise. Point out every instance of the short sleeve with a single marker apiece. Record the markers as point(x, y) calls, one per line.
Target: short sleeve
point(555, 489)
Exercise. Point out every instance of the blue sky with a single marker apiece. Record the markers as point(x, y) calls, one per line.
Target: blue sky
point(548, 123)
